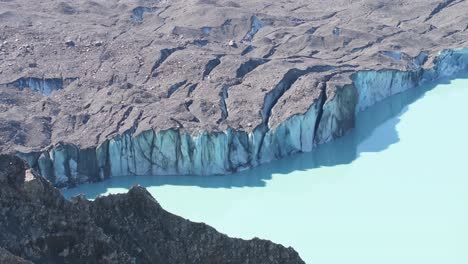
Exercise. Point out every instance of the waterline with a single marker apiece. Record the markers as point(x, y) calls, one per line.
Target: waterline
point(391, 191)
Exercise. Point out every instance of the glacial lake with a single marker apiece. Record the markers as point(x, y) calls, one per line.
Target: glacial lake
point(394, 190)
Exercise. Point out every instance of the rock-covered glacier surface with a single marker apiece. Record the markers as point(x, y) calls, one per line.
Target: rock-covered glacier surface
point(103, 89)
point(174, 152)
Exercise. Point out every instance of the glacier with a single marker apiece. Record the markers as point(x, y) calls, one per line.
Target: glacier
point(175, 152)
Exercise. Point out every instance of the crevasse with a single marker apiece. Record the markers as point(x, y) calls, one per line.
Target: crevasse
point(172, 152)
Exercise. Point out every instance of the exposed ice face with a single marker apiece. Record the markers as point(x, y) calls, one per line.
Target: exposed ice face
point(43, 86)
point(420, 59)
point(138, 12)
point(206, 30)
point(338, 115)
point(374, 86)
point(450, 62)
point(175, 152)
point(391, 54)
point(247, 50)
point(200, 42)
point(294, 135)
point(337, 31)
point(256, 25)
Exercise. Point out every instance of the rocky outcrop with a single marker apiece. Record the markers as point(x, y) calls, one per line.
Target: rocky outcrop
point(37, 224)
point(7, 257)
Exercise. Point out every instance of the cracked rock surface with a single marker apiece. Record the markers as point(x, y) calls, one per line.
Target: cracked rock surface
point(83, 72)
point(37, 225)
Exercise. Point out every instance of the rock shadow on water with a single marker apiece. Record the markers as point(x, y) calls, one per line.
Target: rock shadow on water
point(381, 118)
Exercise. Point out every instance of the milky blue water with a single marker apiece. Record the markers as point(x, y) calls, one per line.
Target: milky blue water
point(395, 190)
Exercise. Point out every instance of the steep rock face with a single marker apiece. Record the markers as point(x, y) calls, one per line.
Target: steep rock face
point(7, 257)
point(37, 224)
point(172, 152)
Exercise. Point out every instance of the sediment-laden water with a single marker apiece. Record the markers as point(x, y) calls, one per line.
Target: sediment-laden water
point(394, 190)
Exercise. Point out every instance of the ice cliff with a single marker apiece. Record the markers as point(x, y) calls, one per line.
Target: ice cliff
point(44, 86)
point(171, 152)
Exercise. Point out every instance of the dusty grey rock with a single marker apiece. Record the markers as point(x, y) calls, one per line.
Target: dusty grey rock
point(150, 87)
point(8, 258)
point(37, 224)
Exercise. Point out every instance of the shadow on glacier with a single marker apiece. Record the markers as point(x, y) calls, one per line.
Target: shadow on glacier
point(375, 131)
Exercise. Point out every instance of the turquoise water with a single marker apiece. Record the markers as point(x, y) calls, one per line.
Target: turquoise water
point(395, 190)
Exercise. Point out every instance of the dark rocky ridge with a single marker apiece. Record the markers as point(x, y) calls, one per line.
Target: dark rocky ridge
point(161, 89)
point(39, 225)
point(7, 257)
